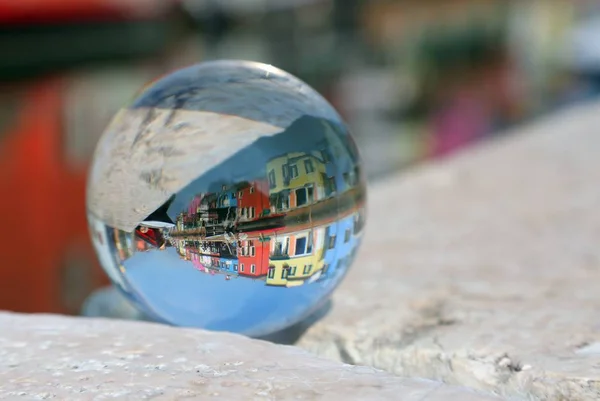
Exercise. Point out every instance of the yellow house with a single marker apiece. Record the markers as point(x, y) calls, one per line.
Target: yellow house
point(179, 222)
point(295, 258)
point(180, 246)
point(297, 179)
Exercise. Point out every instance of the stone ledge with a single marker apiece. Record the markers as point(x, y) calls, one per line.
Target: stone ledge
point(64, 358)
point(483, 270)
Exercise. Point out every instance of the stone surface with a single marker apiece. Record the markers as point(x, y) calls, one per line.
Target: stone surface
point(63, 358)
point(483, 270)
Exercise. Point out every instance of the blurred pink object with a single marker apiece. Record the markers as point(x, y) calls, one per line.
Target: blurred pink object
point(463, 119)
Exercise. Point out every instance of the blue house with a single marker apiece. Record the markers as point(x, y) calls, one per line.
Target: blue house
point(228, 265)
point(340, 159)
point(227, 198)
point(340, 242)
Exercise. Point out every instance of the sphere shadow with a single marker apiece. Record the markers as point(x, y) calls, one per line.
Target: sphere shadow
point(291, 335)
point(108, 302)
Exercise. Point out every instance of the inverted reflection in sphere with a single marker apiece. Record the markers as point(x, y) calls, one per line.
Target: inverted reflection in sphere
point(228, 196)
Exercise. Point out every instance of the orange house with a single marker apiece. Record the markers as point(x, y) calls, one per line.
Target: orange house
point(253, 200)
point(253, 258)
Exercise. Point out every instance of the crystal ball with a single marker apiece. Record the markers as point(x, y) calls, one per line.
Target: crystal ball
point(228, 196)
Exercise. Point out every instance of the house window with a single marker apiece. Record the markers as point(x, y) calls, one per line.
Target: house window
point(285, 171)
point(347, 235)
point(271, 177)
point(252, 251)
point(284, 272)
point(293, 171)
point(252, 269)
point(281, 248)
point(252, 212)
point(240, 194)
point(301, 198)
point(235, 267)
point(271, 273)
point(242, 267)
point(310, 192)
point(301, 246)
point(292, 271)
point(304, 245)
point(251, 190)
point(347, 179)
point(330, 185)
point(307, 269)
point(308, 165)
point(331, 243)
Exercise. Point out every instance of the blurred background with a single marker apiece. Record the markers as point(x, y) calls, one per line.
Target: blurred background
point(415, 79)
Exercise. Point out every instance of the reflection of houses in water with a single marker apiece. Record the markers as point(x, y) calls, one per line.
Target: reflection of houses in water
point(253, 257)
point(225, 265)
point(253, 201)
point(208, 256)
point(226, 198)
point(194, 206)
point(351, 177)
point(344, 154)
point(196, 260)
point(341, 243)
point(298, 179)
point(218, 211)
point(209, 215)
point(295, 257)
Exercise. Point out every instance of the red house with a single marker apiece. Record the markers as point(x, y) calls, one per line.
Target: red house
point(253, 258)
point(253, 201)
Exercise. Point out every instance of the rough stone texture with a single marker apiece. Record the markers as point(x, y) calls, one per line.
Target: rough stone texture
point(62, 358)
point(484, 269)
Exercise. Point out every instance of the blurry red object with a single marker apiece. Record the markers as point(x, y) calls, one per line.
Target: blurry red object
point(49, 11)
point(47, 261)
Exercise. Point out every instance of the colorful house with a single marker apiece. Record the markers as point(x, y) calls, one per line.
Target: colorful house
point(253, 257)
point(253, 201)
point(294, 258)
point(226, 265)
point(196, 260)
point(226, 198)
point(297, 179)
point(340, 159)
point(210, 263)
point(341, 240)
point(194, 206)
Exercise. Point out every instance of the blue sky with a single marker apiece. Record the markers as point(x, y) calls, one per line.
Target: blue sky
point(174, 290)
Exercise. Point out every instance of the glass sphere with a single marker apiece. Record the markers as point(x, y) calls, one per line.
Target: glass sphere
point(228, 196)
